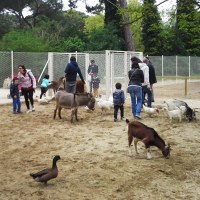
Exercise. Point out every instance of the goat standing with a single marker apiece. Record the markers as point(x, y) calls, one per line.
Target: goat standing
point(137, 131)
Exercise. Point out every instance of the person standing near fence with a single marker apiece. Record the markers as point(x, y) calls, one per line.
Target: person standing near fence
point(145, 85)
point(14, 93)
point(136, 78)
point(71, 71)
point(27, 82)
point(95, 85)
point(152, 75)
point(93, 68)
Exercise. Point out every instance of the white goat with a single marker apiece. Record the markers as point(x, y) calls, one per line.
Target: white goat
point(173, 113)
point(150, 111)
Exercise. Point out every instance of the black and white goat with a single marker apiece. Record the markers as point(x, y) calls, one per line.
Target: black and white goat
point(173, 104)
point(138, 131)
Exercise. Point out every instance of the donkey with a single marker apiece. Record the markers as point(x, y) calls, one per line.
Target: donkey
point(73, 101)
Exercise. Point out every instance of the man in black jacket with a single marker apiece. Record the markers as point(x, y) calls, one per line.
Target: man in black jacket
point(152, 74)
point(71, 71)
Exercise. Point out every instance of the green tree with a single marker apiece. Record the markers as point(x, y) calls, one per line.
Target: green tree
point(23, 41)
point(151, 29)
point(104, 38)
point(7, 23)
point(187, 31)
point(135, 17)
point(47, 8)
point(93, 23)
point(73, 44)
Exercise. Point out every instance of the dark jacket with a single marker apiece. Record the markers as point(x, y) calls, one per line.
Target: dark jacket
point(71, 71)
point(118, 97)
point(14, 90)
point(136, 77)
point(93, 69)
point(152, 74)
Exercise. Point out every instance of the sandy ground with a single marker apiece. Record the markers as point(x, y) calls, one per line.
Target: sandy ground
point(95, 164)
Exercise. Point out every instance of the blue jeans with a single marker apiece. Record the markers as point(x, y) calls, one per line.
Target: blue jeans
point(16, 105)
point(136, 99)
point(70, 87)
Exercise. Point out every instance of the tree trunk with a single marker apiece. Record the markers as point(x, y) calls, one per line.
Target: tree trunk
point(126, 28)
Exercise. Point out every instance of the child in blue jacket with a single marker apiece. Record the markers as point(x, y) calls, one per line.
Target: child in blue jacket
point(14, 93)
point(118, 101)
point(45, 84)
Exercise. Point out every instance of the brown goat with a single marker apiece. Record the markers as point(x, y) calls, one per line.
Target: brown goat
point(55, 85)
point(140, 132)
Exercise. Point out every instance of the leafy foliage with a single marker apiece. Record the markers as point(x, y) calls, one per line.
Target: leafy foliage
point(187, 28)
point(151, 29)
point(104, 38)
point(49, 28)
point(23, 41)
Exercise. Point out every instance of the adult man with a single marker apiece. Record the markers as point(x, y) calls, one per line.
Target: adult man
point(152, 74)
point(92, 69)
point(71, 71)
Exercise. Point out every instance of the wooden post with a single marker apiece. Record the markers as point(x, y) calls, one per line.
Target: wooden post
point(185, 86)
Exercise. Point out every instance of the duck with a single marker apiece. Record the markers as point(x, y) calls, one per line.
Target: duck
point(47, 174)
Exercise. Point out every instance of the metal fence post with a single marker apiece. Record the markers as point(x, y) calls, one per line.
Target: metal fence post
point(162, 68)
point(12, 67)
point(189, 67)
point(176, 66)
point(108, 85)
point(50, 69)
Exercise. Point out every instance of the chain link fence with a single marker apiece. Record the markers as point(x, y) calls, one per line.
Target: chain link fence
point(113, 66)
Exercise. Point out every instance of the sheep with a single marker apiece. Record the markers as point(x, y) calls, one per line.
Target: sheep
point(173, 113)
point(150, 111)
point(138, 131)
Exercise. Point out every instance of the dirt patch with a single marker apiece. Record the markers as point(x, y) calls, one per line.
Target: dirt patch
point(95, 162)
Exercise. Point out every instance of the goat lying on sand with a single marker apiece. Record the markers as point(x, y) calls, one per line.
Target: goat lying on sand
point(140, 132)
point(73, 101)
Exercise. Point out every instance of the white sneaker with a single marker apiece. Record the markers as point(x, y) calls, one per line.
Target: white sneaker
point(33, 109)
point(28, 111)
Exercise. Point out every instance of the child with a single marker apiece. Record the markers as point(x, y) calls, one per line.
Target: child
point(44, 85)
point(118, 101)
point(95, 84)
point(14, 93)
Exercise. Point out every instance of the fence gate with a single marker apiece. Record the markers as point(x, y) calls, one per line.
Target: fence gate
point(117, 66)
